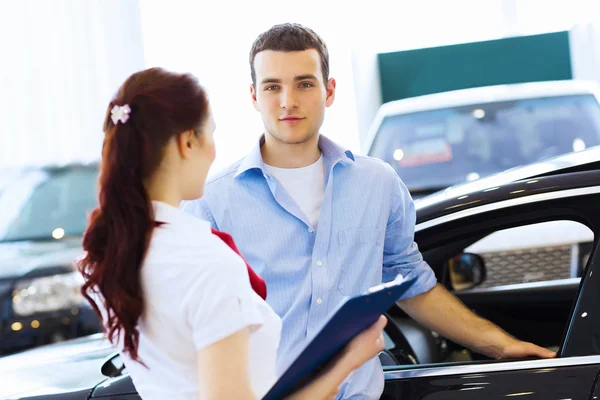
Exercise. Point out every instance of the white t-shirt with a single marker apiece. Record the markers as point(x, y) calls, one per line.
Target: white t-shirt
point(305, 185)
point(196, 292)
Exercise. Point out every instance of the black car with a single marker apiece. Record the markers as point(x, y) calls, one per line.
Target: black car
point(43, 216)
point(418, 363)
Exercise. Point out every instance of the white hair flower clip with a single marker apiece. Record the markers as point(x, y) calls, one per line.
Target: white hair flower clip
point(120, 113)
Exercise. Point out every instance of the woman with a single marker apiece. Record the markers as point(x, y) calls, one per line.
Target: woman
point(186, 311)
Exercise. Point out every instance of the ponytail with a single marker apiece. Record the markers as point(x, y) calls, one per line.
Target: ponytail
point(117, 237)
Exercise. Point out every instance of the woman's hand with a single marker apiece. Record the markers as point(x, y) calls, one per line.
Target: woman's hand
point(361, 349)
point(333, 394)
point(366, 344)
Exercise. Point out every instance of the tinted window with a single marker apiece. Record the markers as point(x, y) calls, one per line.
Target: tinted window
point(440, 148)
point(41, 203)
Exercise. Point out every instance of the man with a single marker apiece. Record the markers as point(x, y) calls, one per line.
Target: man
point(319, 223)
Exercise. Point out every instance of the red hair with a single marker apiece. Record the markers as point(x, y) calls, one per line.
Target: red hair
point(163, 105)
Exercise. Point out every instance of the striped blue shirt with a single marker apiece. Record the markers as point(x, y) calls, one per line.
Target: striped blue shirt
point(365, 235)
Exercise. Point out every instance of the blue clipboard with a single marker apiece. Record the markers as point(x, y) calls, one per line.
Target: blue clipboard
point(350, 318)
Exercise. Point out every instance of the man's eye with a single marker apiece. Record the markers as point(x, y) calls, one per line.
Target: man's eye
point(306, 85)
point(271, 88)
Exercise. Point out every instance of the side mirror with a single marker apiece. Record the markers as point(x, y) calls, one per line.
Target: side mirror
point(467, 271)
point(112, 366)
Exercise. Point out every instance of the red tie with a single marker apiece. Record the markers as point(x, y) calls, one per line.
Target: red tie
point(258, 284)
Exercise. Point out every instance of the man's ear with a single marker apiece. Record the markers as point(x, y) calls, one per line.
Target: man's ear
point(253, 95)
point(330, 92)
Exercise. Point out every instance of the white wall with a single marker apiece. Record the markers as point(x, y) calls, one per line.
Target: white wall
point(62, 60)
point(213, 42)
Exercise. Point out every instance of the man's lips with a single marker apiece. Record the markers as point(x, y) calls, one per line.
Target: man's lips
point(291, 120)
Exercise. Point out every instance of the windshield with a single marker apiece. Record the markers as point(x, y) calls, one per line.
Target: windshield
point(45, 204)
point(432, 150)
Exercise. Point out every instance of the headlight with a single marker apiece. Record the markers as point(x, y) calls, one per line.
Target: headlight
point(47, 294)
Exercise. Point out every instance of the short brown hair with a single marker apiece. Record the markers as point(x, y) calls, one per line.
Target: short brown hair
point(290, 37)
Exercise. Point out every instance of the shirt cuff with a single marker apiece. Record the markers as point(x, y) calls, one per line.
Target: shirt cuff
point(426, 281)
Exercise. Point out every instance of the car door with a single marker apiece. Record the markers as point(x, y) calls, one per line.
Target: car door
point(536, 379)
point(569, 376)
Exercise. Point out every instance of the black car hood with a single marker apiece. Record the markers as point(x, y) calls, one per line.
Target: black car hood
point(586, 160)
point(59, 368)
point(18, 259)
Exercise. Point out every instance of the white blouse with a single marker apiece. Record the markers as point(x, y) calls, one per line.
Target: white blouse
point(196, 292)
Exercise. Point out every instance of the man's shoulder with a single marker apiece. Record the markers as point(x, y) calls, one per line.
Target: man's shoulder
point(223, 176)
point(222, 182)
point(217, 189)
point(373, 166)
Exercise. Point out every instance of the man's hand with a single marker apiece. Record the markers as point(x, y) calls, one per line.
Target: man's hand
point(519, 349)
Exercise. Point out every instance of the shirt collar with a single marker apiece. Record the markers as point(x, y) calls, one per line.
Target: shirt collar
point(332, 154)
point(168, 214)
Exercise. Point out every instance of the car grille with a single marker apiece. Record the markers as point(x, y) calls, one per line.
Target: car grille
point(527, 265)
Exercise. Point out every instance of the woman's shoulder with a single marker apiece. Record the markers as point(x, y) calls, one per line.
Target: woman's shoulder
point(183, 246)
point(199, 248)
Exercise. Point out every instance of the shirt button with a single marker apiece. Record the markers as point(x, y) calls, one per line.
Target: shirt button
point(319, 301)
point(310, 230)
point(319, 263)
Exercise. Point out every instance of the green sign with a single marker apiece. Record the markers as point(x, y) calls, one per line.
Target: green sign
point(512, 60)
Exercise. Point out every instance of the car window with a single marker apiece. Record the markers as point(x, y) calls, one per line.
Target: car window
point(533, 253)
point(44, 204)
point(524, 279)
point(515, 261)
point(435, 149)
